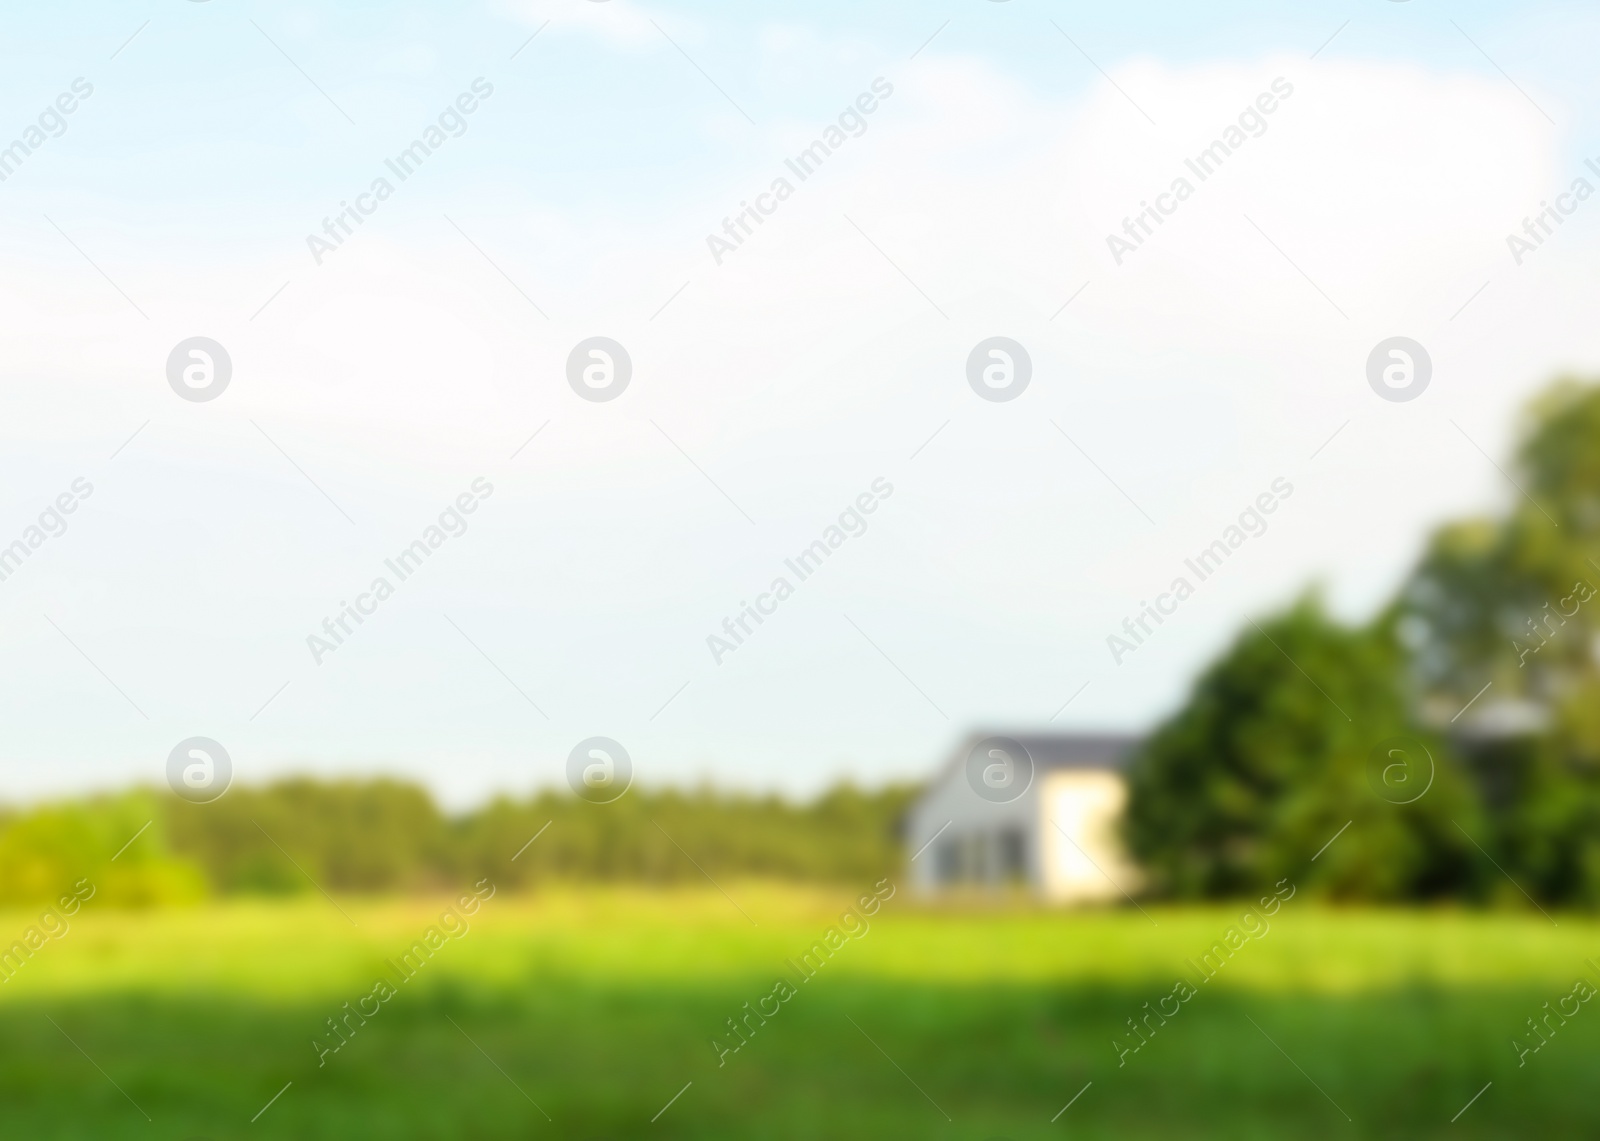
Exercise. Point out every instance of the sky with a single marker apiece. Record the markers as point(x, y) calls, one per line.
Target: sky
point(777, 383)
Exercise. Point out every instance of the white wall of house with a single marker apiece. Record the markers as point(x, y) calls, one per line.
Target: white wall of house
point(974, 835)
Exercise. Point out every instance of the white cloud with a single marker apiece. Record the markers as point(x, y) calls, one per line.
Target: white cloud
point(793, 374)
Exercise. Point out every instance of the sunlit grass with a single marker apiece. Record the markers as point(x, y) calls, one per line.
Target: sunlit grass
point(600, 1003)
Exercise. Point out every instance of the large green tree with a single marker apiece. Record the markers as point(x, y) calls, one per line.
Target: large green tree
point(1300, 730)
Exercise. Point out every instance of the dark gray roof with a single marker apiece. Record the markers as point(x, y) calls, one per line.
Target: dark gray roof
point(1069, 750)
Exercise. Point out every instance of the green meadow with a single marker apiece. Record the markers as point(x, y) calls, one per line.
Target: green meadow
point(581, 1013)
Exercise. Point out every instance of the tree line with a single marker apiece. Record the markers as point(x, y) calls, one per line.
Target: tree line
point(385, 835)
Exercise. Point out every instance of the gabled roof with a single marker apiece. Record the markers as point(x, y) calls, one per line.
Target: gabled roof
point(1052, 751)
point(1072, 750)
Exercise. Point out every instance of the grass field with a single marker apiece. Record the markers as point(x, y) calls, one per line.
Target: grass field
point(596, 1007)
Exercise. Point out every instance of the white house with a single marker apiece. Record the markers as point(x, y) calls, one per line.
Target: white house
point(1035, 811)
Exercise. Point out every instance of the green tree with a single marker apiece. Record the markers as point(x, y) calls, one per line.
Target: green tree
point(119, 844)
point(1283, 742)
point(346, 835)
point(1505, 612)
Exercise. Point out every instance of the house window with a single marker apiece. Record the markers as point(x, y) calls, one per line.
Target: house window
point(947, 860)
point(1013, 855)
point(978, 861)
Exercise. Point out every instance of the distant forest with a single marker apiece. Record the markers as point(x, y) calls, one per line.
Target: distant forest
point(389, 836)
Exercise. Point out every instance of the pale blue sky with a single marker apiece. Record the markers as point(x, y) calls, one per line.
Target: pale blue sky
point(768, 392)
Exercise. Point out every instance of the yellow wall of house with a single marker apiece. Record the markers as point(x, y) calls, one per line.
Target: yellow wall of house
point(1087, 806)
